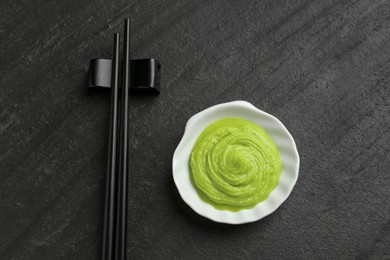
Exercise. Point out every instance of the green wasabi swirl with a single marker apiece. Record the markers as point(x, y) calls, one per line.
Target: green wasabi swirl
point(234, 164)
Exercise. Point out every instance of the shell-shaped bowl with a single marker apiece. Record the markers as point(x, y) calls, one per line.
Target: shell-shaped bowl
point(275, 129)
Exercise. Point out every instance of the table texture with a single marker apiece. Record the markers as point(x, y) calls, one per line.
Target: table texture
point(321, 67)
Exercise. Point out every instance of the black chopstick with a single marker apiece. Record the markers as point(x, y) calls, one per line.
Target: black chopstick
point(121, 225)
point(109, 213)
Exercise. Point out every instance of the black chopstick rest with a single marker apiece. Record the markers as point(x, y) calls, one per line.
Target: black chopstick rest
point(100, 73)
point(145, 75)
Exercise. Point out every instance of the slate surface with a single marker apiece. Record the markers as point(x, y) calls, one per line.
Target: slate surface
point(321, 67)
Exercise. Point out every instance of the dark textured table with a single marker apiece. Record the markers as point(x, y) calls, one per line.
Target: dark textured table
point(321, 67)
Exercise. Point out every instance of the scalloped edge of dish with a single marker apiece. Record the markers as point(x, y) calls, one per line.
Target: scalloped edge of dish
point(279, 134)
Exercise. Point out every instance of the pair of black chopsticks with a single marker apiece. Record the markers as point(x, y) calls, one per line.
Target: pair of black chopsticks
point(115, 218)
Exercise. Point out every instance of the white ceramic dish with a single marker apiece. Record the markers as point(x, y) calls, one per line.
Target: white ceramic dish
point(279, 134)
